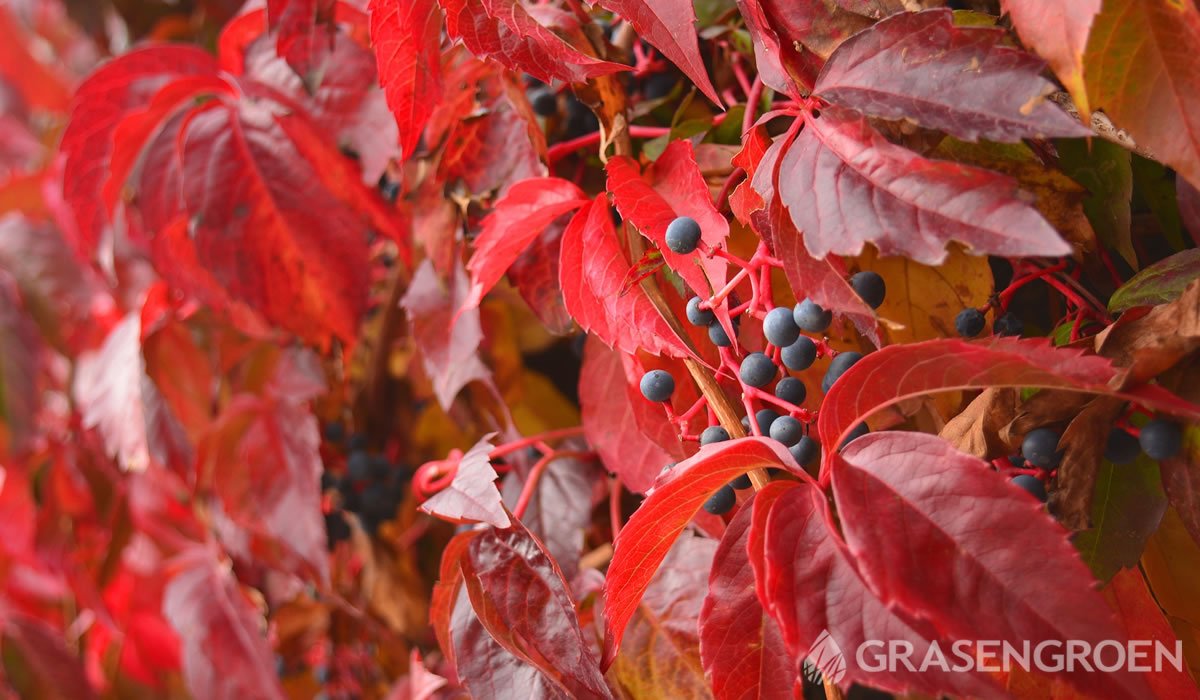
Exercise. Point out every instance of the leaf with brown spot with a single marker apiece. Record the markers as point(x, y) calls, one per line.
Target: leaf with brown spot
point(976, 430)
point(1082, 447)
point(1148, 346)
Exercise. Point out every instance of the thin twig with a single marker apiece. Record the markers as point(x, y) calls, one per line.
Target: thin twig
point(1103, 126)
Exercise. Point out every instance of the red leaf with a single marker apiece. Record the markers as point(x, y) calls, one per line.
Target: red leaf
point(909, 504)
point(505, 31)
point(407, 37)
point(535, 274)
point(661, 653)
point(521, 598)
point(1130, 597)
point(845, 185)
point(276, 499)
point(672, 187)
point(224, 651)
point(768, 52)
point(21, 347)
point(559, 512)
point(299, 24)
point(591, 271)
point(44, 666)
point(820, 601)
point(1059, 33)
point(630, 445)
point(920, 67)
point(741, 646)
point(668, 508)
point(419, 683)
point(901, 372)
point(472, 496)
point(518, 218)
point(447, 339)
point(824, 281)
point(669, 25)
point(115, 395)
point(99, 104)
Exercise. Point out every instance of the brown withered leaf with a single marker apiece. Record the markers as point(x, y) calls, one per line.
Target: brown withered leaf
point(1082, 446)
point(1047, 408)
point(1181, 481)
point(976, 430)
point(1149, 345)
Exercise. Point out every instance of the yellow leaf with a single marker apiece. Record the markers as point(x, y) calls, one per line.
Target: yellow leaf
point(1172, 565)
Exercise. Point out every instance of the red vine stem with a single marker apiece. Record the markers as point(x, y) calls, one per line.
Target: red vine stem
point(564, 148)
point(535, 474)
point(549, 436)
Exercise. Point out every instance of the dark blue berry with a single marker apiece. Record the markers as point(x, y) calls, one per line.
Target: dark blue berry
point(859, 430)
point(683, 235)
point(1161, 439)
point(713, 433)
point(800, 355)
point(811, 317)
point(1040, 447)
point(357, 441)
point(1032, 485)
point(698, 316)
point(722, 501)
point(780, 328)
point(544, 101)
point(969, 323)
point(757, 370)
point(791, 390)
point(805, 451)
point(335, 432)
point(787, 430)
point(718, 336)
point(765, 417)
point(657, 385)
point(870, 287)
point(742, 482)
point(837, 367)
point(1008, 324)
point(358, 466)
point(1121, 447)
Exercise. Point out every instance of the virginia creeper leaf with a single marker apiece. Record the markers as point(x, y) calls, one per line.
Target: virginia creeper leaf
point(505, 31)
point(1160, 283)
point(225, 653)
point(1059, 33)
point(472, 495)
point(647, 537)
point(591, 271)
point(1127, 507)
point(518, 218)
point(962, 80)
point(899, 372)
point(740, 644)
point(407, 37)
point(818, 596)
point(299, 25)
point(669, 26)
point(1181, 481)
point(1141, 71)
point(845, 185)
point(909, 504)
point(1129, 596)
point(521, 598)
point(535, 274)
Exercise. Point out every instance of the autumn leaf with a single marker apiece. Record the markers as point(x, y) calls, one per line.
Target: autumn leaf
point(1139, 68)
point(1129, 596)
point(1127, 507)
point(1146, 346)
point(472, 495)
point(669, 25)
point(1083, 444)
point(1059, 33)
point(299, 25)
point(916, 484)
point(1160, 283)
point(961, 80)
point(407, 38)
point(904, 204)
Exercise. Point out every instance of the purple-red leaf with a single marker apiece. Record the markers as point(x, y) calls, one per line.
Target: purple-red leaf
point(910, 504)
point(225, 651)
point(299, 25)
point(448, 340)
point(817, 596)
point(902, 372)
point(407, 36)
point(518, 218)
point(668, 508)
point(669, 25)
point(592, 270)
point(845, 185)
point(505, 31)
point(472, 496)
point(673, 186)
point(521, 598)
point(740, 645)
point(535, 275)
point(962, 80)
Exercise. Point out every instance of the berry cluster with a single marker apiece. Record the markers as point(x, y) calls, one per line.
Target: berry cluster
point(1084, 312)
point(773, 399)
point(1040, 451)
point(371, 487)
